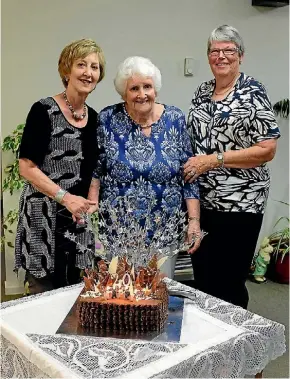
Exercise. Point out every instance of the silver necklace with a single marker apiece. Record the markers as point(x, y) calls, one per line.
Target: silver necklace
point(77, 117)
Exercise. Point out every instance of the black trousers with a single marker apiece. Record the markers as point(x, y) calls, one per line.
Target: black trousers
point(221, 264)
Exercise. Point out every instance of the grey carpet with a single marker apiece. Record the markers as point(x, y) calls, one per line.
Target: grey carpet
point(271, 300)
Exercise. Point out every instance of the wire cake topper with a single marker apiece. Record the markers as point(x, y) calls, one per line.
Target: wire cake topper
point(136, 233)
point(137, 241)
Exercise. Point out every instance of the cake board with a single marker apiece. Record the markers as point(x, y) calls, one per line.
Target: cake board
point(171, 332)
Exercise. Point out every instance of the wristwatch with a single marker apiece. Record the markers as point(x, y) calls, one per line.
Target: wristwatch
point(220, 159)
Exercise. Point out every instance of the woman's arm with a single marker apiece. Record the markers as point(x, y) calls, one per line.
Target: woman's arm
point(250, 157)
point(29, 171)
point(193, 209)
point(94, 194)
point(193, 231)
point(190, 192)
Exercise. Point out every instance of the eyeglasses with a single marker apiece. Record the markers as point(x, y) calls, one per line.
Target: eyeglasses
point(226, 52)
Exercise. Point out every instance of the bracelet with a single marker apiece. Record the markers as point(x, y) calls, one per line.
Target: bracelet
point(193, 218)
point(60, 195)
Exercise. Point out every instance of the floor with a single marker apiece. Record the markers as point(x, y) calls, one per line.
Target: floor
point(271, 300)
point(4, 297)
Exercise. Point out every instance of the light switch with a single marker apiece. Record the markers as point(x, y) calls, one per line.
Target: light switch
point(188, 66)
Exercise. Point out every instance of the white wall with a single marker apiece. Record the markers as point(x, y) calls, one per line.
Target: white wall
point(35, 31)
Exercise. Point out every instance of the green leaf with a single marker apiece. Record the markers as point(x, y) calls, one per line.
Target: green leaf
point(8, 169)
point(284, 253)
point(281, 219)
point(281, 108)
point(282, 202)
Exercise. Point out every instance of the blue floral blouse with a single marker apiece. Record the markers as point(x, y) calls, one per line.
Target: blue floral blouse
point(149, 169)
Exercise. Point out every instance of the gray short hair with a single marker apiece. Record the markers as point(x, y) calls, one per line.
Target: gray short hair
point(229, 34)
point(136, 66)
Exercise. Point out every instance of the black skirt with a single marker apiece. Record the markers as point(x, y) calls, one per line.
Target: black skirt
point(221, 264)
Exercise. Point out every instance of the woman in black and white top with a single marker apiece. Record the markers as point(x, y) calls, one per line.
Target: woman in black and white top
point(57, 157)
point(233, 132)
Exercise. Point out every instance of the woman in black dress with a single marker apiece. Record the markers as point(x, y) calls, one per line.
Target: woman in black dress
point(57, 158)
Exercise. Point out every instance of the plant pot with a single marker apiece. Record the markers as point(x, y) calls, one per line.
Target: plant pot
point(278, 269)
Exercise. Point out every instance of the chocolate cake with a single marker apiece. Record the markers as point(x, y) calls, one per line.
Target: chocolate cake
point(122, 299)
point(122, 314)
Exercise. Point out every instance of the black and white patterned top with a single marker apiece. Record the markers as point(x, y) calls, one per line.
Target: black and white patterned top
point(244, 118)
point(67, 155)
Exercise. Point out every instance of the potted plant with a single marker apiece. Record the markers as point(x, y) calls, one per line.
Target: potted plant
point(278, 269)
point(273, 254)
point(279, 263)
point(272, 260)
point(12, 182)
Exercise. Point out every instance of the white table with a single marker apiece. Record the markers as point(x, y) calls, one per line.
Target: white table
point(217, 340)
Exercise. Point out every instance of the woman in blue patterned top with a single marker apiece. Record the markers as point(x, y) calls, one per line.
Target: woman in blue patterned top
point(233, 133)
point(143, 147)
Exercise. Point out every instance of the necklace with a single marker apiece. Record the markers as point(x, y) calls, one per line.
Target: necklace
point(144, 127)
point(132, 118)
point(222, 93)
point(77, 117)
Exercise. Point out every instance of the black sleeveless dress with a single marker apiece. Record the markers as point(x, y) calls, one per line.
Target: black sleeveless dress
point(67, 155)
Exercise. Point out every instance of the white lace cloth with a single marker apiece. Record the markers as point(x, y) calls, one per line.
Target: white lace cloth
point(218, 340)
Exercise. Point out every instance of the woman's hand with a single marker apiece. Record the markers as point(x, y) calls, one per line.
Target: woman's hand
point(92, 209)
point(198, 165)
point(193, 233)
point(77, 205)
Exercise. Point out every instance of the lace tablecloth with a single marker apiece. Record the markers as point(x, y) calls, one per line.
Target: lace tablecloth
point(218, 340)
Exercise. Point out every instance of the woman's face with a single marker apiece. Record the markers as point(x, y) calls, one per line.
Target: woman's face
point(85, 73)
point(226, 62)
point(140, 94)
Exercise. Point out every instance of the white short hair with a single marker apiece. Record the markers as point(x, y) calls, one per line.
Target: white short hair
point(136, 66)
point(229, 34)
